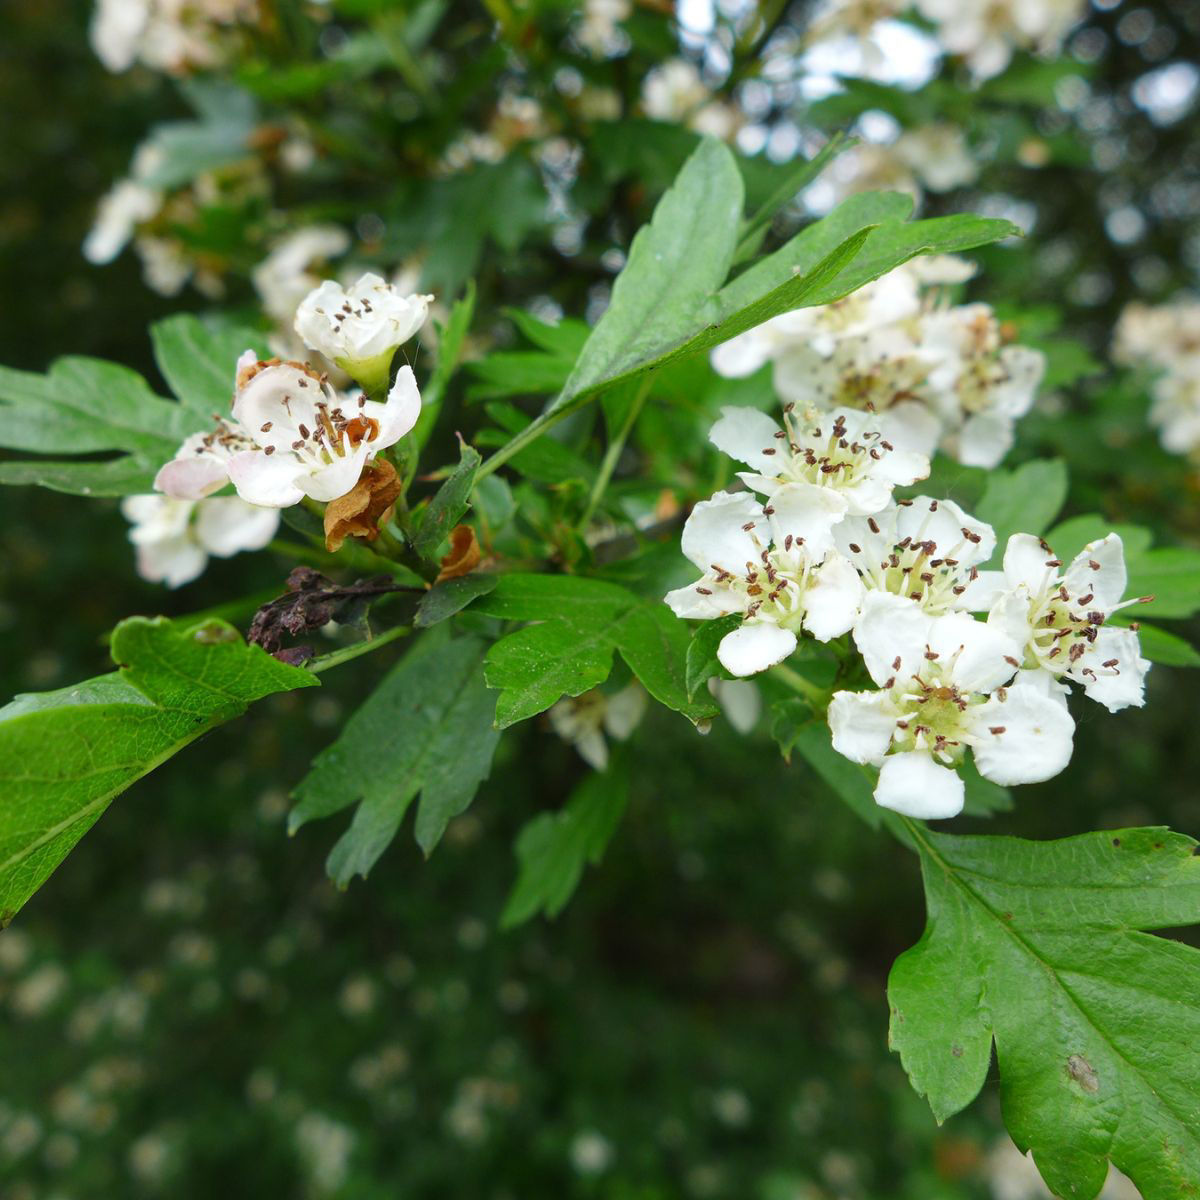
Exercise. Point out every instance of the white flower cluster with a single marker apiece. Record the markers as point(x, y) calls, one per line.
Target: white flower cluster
point(290, 434)
point(175, 36)
point(830, 551)
point(1166, 339)
point(941, 375)
point(983, 33)
point(674, 91)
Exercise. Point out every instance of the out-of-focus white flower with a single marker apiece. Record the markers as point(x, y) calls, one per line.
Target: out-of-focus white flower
point(584, 720)
point(1058, 617)
point(674, 91)
point(286, 275)
point(941, 682)
point(867, 167)
point(599, 29)
point(361, 327)
point(591, 1153)
point(38, 991)
point(324, 1147)
point(770, 578)
point(165, 267)
point(985, 32)
point(980, 384)
point(740, 701)
point(167, 35)
point(927, 551)
point(841, 461)
point(938, 155)
point(125, 206)
point(174, 538)
point(1166, 337)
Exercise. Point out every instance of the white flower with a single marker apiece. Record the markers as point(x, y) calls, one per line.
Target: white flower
point(889, 299)
point(1059, 619)
point(1176, 409)
point(980, 384)
point(927, 551)
point(125, 206)
point(939, 155)
point(174, 538)
point(673, 90)
point(167, 35)
point(285, 276)
point(599, 31)
point(942, 691)
point(291, 436)
point(165, 267)
point(584, 720)
point(116, 30)
point(360, 328)
point(841, 460)
point(740, 701)
point(776, 585)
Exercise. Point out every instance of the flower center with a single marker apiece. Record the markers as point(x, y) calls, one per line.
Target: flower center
point(931, 711)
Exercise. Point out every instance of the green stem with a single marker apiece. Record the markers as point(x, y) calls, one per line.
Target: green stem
point(335, 657)
point(818, 697)
point(613, 453)
point(519, 441)
point(401, 551)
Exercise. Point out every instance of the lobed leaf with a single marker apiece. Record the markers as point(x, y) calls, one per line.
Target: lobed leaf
point(65, 755)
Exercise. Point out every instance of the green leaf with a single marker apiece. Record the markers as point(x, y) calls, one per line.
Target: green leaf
point(198, 360)
point(65, 755)
point(448, 504)
point(675, 263)
point(445, 599)
point(1023, 501)
point(1036, 945)
point(451, 339)
point(427, 728)
point(1167, 648)
point(580, 623)
point(702, 662)
point(87, 406)
point(553, 848)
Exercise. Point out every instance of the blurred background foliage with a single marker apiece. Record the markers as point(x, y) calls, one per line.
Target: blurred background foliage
point(189, 1007)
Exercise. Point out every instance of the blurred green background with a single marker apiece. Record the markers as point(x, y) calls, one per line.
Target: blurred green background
point(189, 1009)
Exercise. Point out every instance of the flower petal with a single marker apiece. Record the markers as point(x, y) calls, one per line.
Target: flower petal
point(401, 411)
point(807, 512)
point(862, 724)
point(833, 599)
point(1024, 738)
point(226, 525)
point(755, 646)
point(980, 656)
point(1121, 685)
point(913, 784)
point(266, 480)
point(1106, 581)
point(891, 628)
point(744, 434)
point(714, 533)
point(692, 604)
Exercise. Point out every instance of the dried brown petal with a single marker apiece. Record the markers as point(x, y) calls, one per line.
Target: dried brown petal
point(464, 554)
point(359, 511)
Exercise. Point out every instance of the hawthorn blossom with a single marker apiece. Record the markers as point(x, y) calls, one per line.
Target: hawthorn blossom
point(168, 35)
point(941, 691)
point(938, 154)
point(174, 538)
point(674, 91)
point(885, 301)
point(599, 30)
point(285, 276)
point(981, 385)
point(1166, 338)
point(121, 210)
point(360, 327)
point(291, 435)
point(584, 720)
point(841, 460)
point(924, 550)
point(770, 577)
point(1059, 619)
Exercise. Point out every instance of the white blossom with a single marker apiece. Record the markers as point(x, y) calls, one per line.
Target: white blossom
point(291, 435)
point(125, 206)
point(599, 30)
point(942, 691)
point(174, 538)
point(980, 384)
point(1059, 617)
point(938, 154)
point(285, 276)
point(167, 35)
point(584, 720)
point(769, 578)
point(840, 460)
point(360, 327)
point(924, 550)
